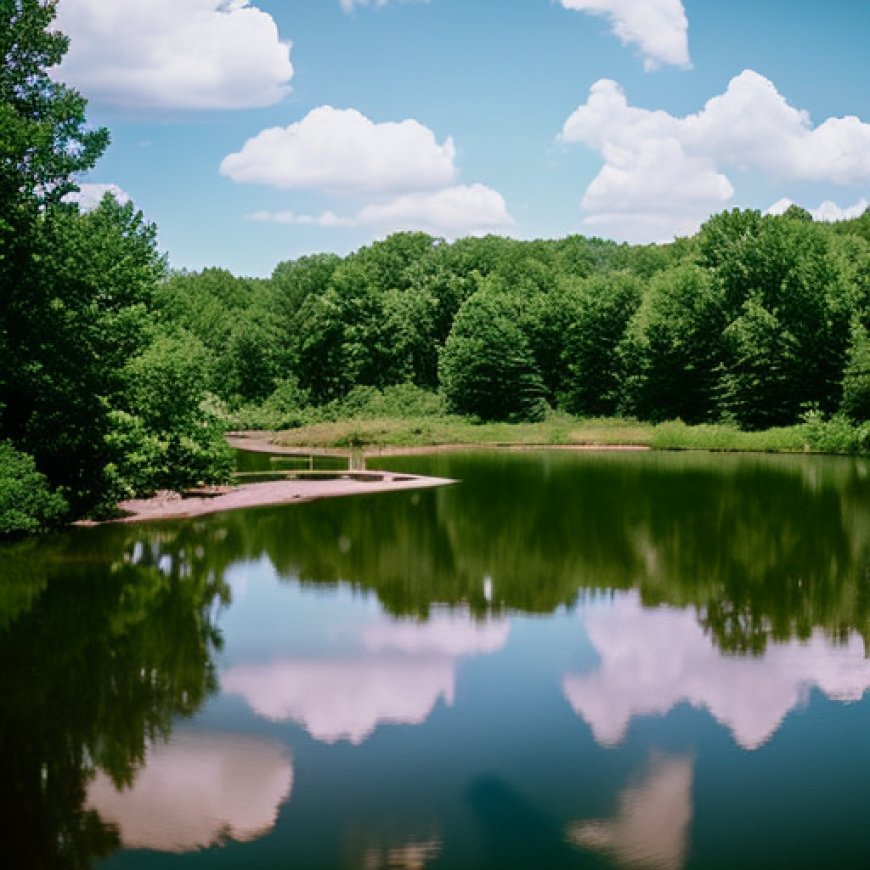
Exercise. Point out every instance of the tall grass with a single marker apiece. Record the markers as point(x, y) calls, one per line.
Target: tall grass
point(407, 416)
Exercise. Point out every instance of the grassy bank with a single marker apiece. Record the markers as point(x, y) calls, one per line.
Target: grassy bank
point(815, 435)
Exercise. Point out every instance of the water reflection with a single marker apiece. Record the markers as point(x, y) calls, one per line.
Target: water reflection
point(653, 659)
point(738, 585)
point(651, 827)
point(397, 674)
point(98, 657)
point(413, 855)
point(196, 791)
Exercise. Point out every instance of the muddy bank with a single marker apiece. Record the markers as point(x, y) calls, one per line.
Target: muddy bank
point(212, 500)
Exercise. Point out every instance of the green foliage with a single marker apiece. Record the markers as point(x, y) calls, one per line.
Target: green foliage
point(835, 434)
point(673, 348)
point(787, 316)
point(602, 309)
point(856, 378)
point(487, 369)
point(400, 402)
point(26, 503)
point(286, 408)
point(43, 138)
point(677, 435)
point(88, 296)
point(164, 438)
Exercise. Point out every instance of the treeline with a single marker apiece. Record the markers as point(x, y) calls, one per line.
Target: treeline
point(756, 320)
point(117, 376)
point(99, 397)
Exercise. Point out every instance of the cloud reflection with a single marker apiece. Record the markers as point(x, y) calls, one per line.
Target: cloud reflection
point(651, 828)
point(343, 699)
point(652, 660)
point(198, 790)
point(399, 673)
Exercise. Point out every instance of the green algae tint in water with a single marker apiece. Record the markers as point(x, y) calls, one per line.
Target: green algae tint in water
point(566, 660)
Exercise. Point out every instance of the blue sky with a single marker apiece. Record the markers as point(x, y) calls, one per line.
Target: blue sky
point(255, 131)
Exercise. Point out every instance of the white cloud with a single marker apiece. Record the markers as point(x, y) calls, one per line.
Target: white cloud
point(350, 5)
point(651, 828)
point(455, 211)
point(341, 151)
point(462, 210)
point(663, 175)
point(175, 54)
point(826, 211)
point(326, 219)
point(658, 27)
point(652, 660)
point(401, 176)
point(197, 790)
point(89, 196)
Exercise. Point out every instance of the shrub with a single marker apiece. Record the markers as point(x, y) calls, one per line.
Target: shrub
point(27, 505)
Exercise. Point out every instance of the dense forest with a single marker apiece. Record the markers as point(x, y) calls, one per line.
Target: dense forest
point(756, 320)
point(118, 375)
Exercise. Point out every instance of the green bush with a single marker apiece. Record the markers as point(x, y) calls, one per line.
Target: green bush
point(835, 434)
point(400, 402)
point(27, 505)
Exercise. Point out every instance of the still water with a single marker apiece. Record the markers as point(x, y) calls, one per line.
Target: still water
point(565, 660)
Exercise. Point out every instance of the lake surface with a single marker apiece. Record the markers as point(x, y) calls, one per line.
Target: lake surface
point(566, 660)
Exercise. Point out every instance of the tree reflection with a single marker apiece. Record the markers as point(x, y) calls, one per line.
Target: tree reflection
point(764, 548)
point(106, 641)
point(107, 635)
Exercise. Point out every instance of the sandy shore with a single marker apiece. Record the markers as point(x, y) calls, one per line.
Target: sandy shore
point(212, 500)
point(170, 506)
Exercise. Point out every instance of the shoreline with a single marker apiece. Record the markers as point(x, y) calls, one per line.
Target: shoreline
point(305, 488)
point(213, 500)
point(254, 441)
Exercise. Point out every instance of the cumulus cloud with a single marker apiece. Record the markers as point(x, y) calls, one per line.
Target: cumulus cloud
point(663, 175)
point(659, 28)
point(196, 791)
point(826, 211)
point(652, 660)
point(174, 54)
point(462, 210)
point(89, 196)
point(342, 151)
point(405, 177)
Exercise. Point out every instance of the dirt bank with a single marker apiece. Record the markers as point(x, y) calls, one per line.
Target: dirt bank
point(171, 506)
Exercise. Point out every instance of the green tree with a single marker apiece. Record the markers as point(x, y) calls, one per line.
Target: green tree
point(26, 503)
point(601, 312)
point(673, 349)
point(856, 378)
point(787, 313)
point(43, 144)
point(487, 368)
point(90, 279)
point(161, 436)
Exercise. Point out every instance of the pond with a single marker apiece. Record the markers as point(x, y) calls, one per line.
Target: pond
point(564, 660)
